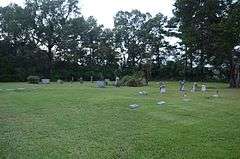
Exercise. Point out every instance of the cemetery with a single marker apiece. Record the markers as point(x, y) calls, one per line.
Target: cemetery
point(115, 79)
point(108, 121)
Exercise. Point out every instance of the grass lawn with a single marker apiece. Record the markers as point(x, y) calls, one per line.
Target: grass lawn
point(82, 121)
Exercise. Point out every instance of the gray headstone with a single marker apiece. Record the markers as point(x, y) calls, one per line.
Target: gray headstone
point(21, 88)
point(91, 79)
point(186, 100)
point(10, 89)
point(134, 106)
point(60, 81)
point(81, 80)
point(162, 87)
point(107, 82)
point(101, 84)
point(181, 84)
point(45, 81)
point(142, 93)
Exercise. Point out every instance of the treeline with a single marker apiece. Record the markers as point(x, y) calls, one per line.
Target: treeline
point(51, 39)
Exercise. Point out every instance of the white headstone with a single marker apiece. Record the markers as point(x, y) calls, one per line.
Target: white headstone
point(216, 95)
point(194, 87)
point(116, 81)
point(134, 106)
point(162, 89)
point(161, 102)
point(45, 81)
point(204, 88)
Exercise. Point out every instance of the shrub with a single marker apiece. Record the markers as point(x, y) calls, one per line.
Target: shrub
point(33, 79)
point(135, 83)
point(131, 81)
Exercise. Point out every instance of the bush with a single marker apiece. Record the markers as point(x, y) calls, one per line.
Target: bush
point(33, 79)
point(135, 83)
point(131, 81)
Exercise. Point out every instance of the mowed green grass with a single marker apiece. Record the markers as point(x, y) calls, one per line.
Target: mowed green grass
point(82, 121)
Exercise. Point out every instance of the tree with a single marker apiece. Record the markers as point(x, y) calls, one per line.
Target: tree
point(129, 36)
point(48, 18)
point(203, 32)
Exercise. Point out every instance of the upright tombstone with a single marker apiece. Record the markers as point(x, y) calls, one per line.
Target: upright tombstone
point(45, 81)
point(107, 82)
point(101, 84)
point(194, 87)
point(59, 81)
point(116, 81)
point(81, 80)
point(204, 88)
point(162, 87)
point(181, 86)
point(91, 79)
point(217, 94)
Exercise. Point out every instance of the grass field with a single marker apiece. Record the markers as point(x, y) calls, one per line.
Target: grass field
point(82, 121)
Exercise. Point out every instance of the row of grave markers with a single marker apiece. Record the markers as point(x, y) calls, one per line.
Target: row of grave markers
point(182, 87)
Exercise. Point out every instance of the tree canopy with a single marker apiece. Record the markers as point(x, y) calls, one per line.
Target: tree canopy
point(50, 38)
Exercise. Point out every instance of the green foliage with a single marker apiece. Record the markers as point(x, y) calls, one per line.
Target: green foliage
point(51, 38)
point(135, 80)
point(208, 33)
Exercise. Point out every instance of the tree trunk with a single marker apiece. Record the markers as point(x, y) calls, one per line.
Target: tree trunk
point(191, 67)
point(185, 69)
point(234, 81)
point(50, 57)
point(202, 67)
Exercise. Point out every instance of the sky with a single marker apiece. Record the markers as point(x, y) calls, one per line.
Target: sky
point(104, 10)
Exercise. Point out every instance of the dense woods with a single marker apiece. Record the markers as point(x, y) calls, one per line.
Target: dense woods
point(50, 38)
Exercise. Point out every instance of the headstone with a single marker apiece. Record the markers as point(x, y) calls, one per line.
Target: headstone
point(100, 84)
point(45, 81)
point(116, 81)
point(194, 87)
point(204, 88)
point(107, 82)
point(186, 100)
point(181, 84)
point(161, 102)
point(162, 87)
point(216, 95)
point(184, 94)
point(81, 80)
point(142, 93)
point(134, 106)
point(60, 81)
point(10, 89)
point(21, 88)
point(91, 79)
point(144, 82)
